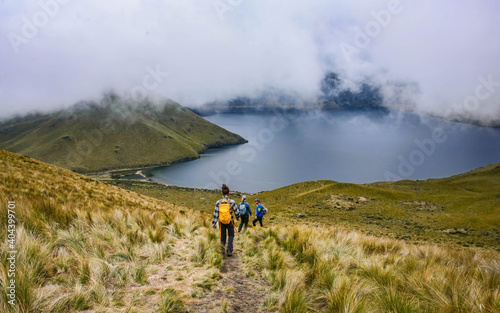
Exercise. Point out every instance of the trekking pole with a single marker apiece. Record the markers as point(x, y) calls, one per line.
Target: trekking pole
point(235, 228)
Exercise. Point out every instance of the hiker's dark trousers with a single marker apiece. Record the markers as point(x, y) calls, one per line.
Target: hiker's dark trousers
point(229, 228)
point(244, 220)
point(259, 219)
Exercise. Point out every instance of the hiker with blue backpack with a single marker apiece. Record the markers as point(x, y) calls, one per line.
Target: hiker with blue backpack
point(244, 212)
point(224, 209)
point(260, 211)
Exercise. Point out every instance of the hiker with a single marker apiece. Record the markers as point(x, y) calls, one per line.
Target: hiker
point(224, 209)
point(259, 213)
point(245, 211)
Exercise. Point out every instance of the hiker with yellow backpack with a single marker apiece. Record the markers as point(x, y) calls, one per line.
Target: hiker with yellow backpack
point(224, 209)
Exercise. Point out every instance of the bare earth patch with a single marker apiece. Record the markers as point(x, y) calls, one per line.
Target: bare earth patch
point(343, 202)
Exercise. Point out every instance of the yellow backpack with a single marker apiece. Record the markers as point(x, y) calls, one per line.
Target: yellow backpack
point(224, 212)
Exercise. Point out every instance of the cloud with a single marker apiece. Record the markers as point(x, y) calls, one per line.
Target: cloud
point(218, 49)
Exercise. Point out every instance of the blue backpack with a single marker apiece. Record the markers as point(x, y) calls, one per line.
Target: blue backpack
point(242, 209)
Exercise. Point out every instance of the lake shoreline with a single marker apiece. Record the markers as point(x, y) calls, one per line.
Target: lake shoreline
point(146, 169)
point(353, 146)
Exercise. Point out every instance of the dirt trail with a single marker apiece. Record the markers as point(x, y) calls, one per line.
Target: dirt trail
point(241, 293)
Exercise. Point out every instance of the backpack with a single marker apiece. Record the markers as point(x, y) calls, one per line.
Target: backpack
point(264, 209)
point(242, 209)
point(224, 212)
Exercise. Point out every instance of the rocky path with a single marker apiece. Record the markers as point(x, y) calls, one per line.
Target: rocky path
point(236, 291)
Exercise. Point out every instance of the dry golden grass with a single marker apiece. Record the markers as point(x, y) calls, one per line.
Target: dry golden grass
point(339, 270)
point(86, 246)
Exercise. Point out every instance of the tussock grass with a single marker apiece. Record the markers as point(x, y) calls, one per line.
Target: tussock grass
point(338, 270)
point(87, 261)
point(392, 300)
point(207, 249)
point(83, 245)
point(209, 280)
point(171, 302)
point(342, 294)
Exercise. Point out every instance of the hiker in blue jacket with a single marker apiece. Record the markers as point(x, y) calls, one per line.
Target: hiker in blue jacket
point(245, 211)
point(259, 213)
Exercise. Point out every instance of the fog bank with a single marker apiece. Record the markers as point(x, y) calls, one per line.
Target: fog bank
point(55, 53)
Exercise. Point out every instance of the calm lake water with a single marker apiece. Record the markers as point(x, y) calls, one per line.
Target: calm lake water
point(345, 146)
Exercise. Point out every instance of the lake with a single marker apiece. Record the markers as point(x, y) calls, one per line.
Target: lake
point(345, 146)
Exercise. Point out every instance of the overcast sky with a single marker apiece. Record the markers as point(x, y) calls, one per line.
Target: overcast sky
point(54, 53)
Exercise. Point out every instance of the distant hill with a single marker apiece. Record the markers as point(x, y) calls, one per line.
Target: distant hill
point(113, 134)
point(267, 102)
point(336, 93)
point(334, 96)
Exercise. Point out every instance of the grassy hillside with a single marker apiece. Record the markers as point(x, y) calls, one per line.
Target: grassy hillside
point(113, 134)
point(318, 269)
point(85, 246)
point(463, 209)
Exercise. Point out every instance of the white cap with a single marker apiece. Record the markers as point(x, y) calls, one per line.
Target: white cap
point(244, 197)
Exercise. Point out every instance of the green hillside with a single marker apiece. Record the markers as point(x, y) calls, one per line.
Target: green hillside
point(463, 209)
point(113, 134)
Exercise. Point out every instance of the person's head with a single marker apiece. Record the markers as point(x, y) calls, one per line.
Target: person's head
point(257, 201)
point(225, 190)
point(244, 198)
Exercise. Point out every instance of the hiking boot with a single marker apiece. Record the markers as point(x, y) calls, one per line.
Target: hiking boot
point(229, 253)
